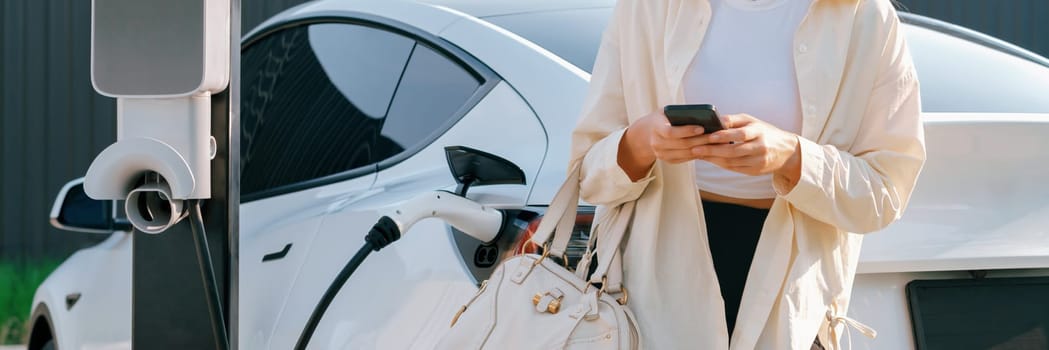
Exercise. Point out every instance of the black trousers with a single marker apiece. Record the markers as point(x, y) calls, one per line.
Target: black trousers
point(733, 232)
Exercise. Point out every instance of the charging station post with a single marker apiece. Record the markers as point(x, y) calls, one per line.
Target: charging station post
point(173, 66)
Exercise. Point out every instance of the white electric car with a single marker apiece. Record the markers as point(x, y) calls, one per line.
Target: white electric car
point(347, 107)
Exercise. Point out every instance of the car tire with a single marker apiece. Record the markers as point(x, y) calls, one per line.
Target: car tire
point(42, 335)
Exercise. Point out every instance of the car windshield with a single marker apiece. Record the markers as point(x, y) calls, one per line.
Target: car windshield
point(956, 75)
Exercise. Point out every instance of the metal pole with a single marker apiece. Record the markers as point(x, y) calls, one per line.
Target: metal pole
point(170, 307)
point(232, 176)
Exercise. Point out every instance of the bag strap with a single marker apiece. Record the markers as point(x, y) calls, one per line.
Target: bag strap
point(610, 261)
point(607, 216)
point(559, 219)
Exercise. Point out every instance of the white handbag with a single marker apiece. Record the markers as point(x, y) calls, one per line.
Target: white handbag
point(532, 302)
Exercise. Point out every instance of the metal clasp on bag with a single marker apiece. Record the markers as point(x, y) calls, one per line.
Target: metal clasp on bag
point(553, 300)
point(604, 282)
point(546, 252)
point(585, 261)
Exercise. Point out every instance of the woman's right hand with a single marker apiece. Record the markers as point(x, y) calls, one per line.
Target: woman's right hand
point(652, 137)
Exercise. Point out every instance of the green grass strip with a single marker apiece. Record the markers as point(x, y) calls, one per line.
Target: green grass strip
point(18, 282)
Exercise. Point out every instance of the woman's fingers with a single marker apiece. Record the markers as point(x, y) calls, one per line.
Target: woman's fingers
point(678, 137)
point(667, 131)
point(677, 147)
point(736, 135)
point(732, 121)
point(676, 144)
point(725, 150)
point(749, 146)
point(685, 143)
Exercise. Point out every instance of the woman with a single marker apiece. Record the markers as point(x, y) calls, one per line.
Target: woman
point(823, 142)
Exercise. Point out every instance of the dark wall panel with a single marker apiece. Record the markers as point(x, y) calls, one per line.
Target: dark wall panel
point(55, 118)
point(48, 120)
point(12, 129)
point(34, 135)
point(52, 123)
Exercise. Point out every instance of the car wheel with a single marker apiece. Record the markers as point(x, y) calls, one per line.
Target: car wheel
point(42, 335)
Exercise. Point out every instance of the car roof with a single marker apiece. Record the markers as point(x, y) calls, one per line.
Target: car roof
point(488, 8)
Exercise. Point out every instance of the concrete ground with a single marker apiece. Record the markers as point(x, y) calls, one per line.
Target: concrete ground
point(12, 347)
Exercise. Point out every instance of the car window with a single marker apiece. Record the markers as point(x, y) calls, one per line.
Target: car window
point(313, 102)
point(957, 75)
point(430, 98)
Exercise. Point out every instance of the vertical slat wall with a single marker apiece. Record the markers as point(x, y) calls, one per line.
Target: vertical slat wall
point(52, 123)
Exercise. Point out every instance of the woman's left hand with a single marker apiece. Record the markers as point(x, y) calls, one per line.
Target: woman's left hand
point(751, 146)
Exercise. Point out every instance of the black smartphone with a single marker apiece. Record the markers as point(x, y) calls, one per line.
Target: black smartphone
point(699, 115)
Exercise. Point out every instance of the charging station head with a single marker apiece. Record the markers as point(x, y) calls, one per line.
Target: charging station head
point(117, 170)
point(159, 48)
point(151, 209)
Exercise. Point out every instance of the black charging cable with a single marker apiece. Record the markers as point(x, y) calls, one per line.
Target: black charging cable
point(382, 234)
point(207, 274)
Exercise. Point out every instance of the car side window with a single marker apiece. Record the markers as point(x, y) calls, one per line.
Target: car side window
point(314, 100)
point(431, 96)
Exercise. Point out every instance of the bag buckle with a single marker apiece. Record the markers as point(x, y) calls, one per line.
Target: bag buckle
point(546, 253)
point(550, 299)
point(604, 282)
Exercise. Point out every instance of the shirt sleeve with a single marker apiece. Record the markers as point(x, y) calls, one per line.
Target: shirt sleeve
point(596, 138)
point(867, 188)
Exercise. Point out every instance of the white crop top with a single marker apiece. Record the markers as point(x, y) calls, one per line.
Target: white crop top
point(746, 65)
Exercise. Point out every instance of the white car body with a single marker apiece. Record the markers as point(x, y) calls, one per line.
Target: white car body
point(980, 205)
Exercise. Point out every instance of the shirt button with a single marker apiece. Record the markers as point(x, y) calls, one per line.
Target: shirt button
point(810, 109)
point(803, 48)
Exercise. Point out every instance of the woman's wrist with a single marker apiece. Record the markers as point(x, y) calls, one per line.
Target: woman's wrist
point(635, 156)
point(790, 172)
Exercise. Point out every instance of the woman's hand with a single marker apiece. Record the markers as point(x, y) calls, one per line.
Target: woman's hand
point(752, 147)
point(652, 137)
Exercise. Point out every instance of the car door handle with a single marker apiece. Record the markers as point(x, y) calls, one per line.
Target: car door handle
point(277, 255)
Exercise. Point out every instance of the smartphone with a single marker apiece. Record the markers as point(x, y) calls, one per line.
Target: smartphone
point(699, 115)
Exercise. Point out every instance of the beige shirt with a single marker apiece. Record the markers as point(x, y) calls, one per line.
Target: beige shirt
point(862, 148)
